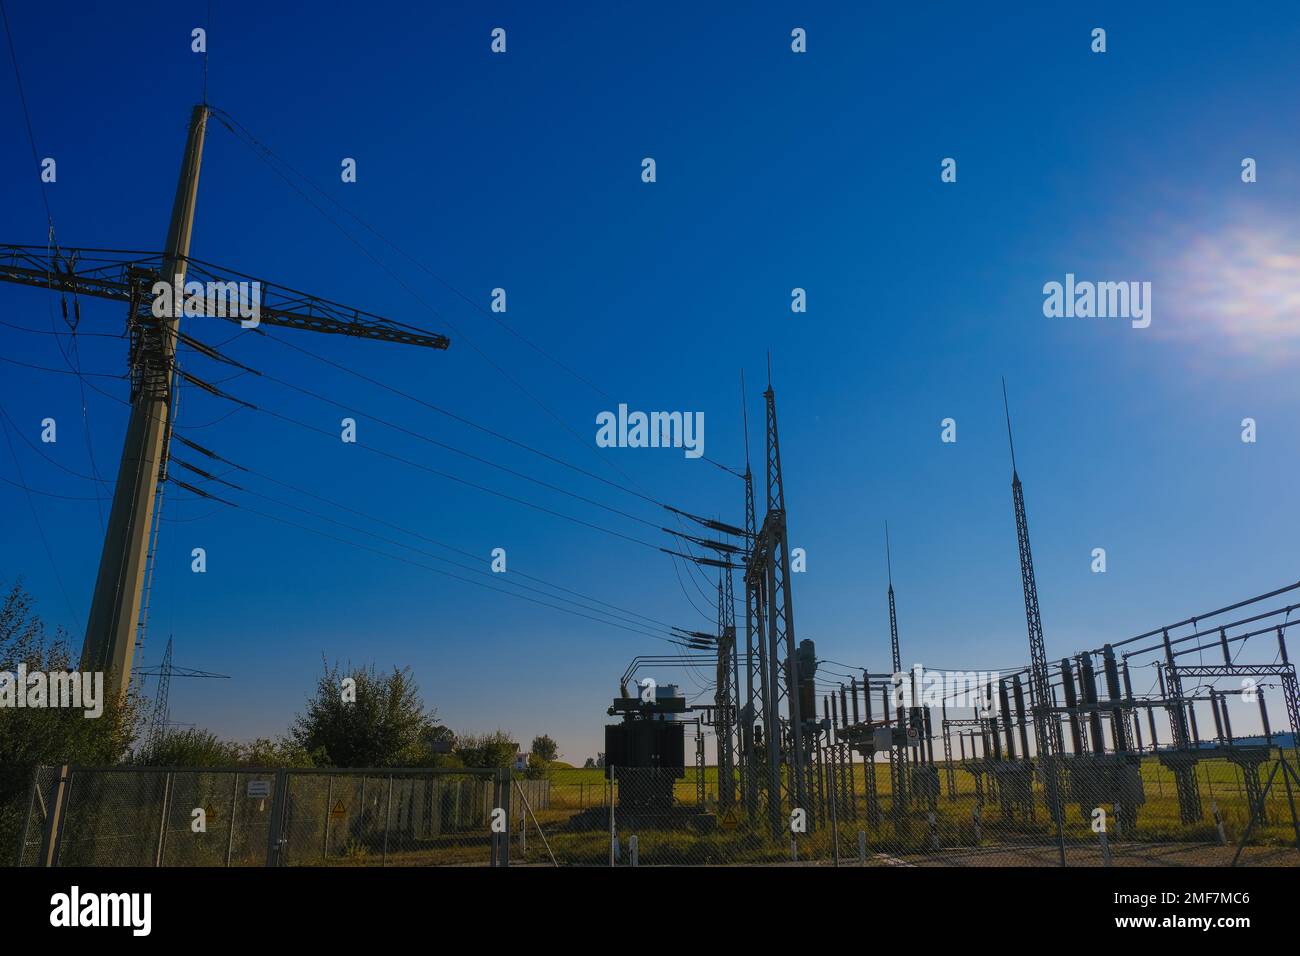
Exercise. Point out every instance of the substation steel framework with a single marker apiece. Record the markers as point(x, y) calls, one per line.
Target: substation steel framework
point(726, 695)
point(769, 619)
point(1047, 729)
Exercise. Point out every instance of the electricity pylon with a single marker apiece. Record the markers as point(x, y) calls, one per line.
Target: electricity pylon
point(128, 277)
point(770, 608)
point(159, 717)
point(1047, 729)
point(898, 751)
point(724, 697)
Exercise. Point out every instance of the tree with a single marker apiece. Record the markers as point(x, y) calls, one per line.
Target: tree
point(492, 750)
point(284, 752)
point(30, 736)
point(191, 747)
point(589, 763)
point(377, 722)
point(545, 749)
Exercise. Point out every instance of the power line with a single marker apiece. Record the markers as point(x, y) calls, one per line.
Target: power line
point(467, 482)
point(443, 474)
point(428, 554)
point(61, 371)
point(347, 406)
point(266, 154)
point(399, 544)
point(75, 363)
point(23, 328)
point(516, 442)
point(449, 574)
point(441, 544)
point(37, 519)
point(463, 420)
point(27, 116)
point(52, 461)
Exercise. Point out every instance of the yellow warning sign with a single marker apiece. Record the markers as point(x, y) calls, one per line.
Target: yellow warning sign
point(729, 821)
point(338, 809)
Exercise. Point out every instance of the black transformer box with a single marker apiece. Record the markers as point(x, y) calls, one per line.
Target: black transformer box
point(646, 743)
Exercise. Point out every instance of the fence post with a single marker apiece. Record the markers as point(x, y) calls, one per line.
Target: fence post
point(503, 778)
point(279, 805)
point(494, 838)
point(162, 823)
point(612, 838)
point(1287, 773)
point(835, 822)
point(53, 834)
point(329, 799)
point(388, 812)
point(234, 804)
point(633, 845)
point(27, 821)
point(1218, 822)
point(862, 847)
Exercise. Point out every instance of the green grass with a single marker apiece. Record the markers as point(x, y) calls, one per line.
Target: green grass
point(576, 836)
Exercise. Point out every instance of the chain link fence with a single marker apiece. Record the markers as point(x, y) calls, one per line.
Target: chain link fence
point(1113, 811)
point(246, 817)
point(1116, 810)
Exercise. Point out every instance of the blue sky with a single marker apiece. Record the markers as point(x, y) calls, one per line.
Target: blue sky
point(775, 171)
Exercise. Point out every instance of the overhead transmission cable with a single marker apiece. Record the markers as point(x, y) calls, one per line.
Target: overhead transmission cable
point(268, 156)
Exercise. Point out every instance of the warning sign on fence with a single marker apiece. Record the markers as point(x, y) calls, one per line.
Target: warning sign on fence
point(338, 810)
point(729, 821)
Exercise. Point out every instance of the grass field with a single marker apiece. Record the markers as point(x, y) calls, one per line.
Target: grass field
point(578, 834)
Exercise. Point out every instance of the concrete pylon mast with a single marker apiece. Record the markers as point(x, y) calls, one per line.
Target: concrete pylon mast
point(129, 277)
point(115, 606)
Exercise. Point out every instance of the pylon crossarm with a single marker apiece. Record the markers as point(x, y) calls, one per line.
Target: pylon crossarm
point(117, 274)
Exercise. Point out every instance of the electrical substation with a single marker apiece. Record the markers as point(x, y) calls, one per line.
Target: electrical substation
point(801, 746)
point(1046, 741)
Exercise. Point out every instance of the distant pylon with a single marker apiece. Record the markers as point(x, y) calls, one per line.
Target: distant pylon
point(162, 699)
point(160, 716)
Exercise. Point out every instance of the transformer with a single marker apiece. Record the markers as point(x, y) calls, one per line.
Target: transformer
point(646, 753)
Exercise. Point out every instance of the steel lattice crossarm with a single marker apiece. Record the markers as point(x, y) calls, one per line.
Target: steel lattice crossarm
point(1233, 670)
point(122, 275)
